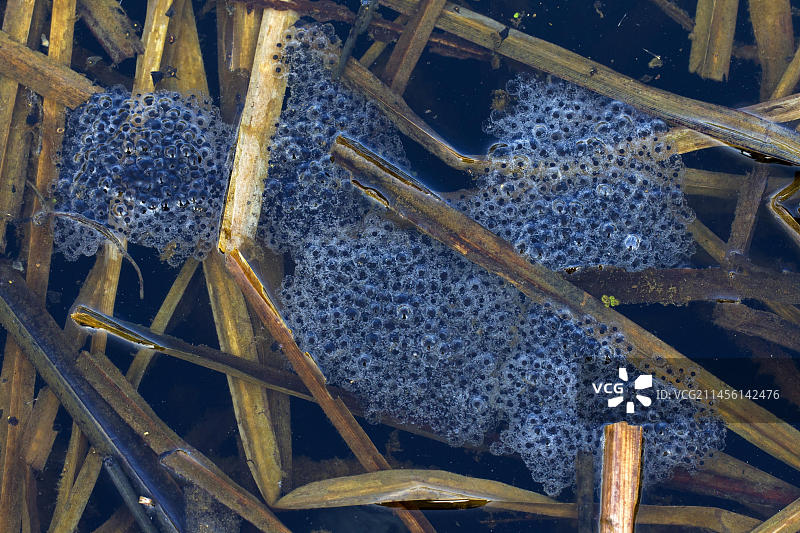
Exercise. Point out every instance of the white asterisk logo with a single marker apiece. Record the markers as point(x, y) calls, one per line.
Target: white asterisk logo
point(644, 381)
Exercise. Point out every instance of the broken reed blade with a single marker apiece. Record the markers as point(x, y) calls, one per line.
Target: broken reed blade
point(778, 208)
point(409, 489)
point(238, 367)
point(43, 342)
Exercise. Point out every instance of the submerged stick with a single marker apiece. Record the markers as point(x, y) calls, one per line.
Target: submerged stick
point(679, 286)
point(399, 192)
point(739, 317)
point(772, 26)
point(43, 342)
point(407, 121)
point(622, 470)
point(711, 518)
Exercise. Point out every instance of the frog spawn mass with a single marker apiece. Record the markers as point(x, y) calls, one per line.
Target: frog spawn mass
point(422, 335)
point(580, 180)
point(151, 167)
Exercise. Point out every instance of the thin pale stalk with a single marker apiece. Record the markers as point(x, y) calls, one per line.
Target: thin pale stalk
point(262, 109)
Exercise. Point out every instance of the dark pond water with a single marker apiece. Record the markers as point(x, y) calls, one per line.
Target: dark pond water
point(454, 97)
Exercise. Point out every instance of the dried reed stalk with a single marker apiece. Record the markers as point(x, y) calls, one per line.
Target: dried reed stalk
point(182, 52)
point(262, 109)
point(410, 45)
point(407, 485)
point(111, 27)
point(261, 415)
point(246, 24)
point(622, 470)
point(44, 76)
point(772, 26)
point(712, 38)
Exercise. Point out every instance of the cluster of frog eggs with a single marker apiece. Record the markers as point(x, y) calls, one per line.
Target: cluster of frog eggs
point(304, 190)
point(421, 334)
point(151, 167)
point(577, 179)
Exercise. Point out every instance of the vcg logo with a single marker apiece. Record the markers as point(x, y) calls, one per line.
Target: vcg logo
point(642, 382)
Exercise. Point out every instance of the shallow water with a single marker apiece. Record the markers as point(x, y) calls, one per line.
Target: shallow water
point(454, 97)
